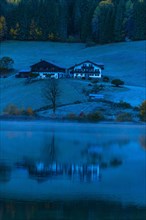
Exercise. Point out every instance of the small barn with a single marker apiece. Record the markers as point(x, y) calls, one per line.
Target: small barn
point(47, 69)
point(86, 70)
point(23, 74)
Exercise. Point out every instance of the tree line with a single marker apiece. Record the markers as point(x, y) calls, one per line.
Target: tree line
point(100, 21)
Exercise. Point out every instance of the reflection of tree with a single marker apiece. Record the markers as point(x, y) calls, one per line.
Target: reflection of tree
point(50, 150)
point(52, 153)
point(95, 155)
point(5, 172)
point(120, 142)
point(142, 141)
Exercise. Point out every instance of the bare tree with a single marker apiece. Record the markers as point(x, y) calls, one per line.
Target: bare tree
point(51, 92)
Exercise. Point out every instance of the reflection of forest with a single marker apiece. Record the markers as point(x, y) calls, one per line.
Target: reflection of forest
point(78, 209)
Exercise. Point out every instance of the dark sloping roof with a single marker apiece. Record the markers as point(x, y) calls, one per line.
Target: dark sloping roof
point(45, 64)
point(88, 61)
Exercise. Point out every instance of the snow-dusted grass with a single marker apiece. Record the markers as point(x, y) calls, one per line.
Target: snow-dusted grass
point(122, 60)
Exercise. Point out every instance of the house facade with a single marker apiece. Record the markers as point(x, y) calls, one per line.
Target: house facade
point(86, 70)
point(45, 69)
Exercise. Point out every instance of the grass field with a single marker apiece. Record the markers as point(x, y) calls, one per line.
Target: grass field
point(122, 60)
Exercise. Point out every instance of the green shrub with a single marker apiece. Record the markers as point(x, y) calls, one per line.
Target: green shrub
point(72, 39)
point(29, 111)
point(82, 116)
point(124, 117)
point(96, 88)
point(106, 79)
point(11, 109)
point(122, 104)
point(104, 165)
point(94, 80)
point(72, 116)
point(117, 82)
point(77, 102)
point(90, 44)
point(136, 108)
point(115, 162)
point(6, 63)
point(95, 116)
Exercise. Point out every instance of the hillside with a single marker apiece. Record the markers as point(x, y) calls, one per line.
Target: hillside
point(123, 60)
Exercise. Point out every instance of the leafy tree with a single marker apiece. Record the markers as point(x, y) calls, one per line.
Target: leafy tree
point(117, 82)
point(15, 32)
point(6, 63)
point(143, 111)
point(35, 32)
point(119, 21)
point(14, 1)
point(3, 28)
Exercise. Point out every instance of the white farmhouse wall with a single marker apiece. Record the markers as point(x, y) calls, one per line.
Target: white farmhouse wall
point(55, 75)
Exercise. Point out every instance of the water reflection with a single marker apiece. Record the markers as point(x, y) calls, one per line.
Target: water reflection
point(142, 140)
point(95, 154)
point(5, 172)
point(73, 162)
point(77, 209)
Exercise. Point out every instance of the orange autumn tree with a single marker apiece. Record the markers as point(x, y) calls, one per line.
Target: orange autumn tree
point(143, 111)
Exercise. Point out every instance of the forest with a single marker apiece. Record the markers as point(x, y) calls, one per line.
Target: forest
point(98, 21)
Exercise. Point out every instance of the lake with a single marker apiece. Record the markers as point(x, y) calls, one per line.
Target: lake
point(54, 170)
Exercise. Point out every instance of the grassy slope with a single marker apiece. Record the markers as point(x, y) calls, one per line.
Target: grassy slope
point(124, 60)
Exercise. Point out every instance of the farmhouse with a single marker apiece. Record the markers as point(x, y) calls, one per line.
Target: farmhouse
point(86, 70)
point(46, 69)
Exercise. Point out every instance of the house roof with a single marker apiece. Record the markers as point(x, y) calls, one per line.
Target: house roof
point(45, 64)
point(88, 61)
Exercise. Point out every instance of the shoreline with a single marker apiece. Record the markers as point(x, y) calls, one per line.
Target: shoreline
point(66, 121)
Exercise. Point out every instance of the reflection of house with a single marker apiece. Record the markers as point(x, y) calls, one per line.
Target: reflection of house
point(47, 69)
point(84, 172)
point(86, 69)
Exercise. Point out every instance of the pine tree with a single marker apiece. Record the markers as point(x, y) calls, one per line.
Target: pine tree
point(139, 18)
point(103, 22)
point(119, 21)
point(128, 20)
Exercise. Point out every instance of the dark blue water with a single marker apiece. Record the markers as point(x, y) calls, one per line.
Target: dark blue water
point(31, 187)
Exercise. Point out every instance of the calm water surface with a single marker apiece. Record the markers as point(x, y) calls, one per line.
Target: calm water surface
point(116, 191)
